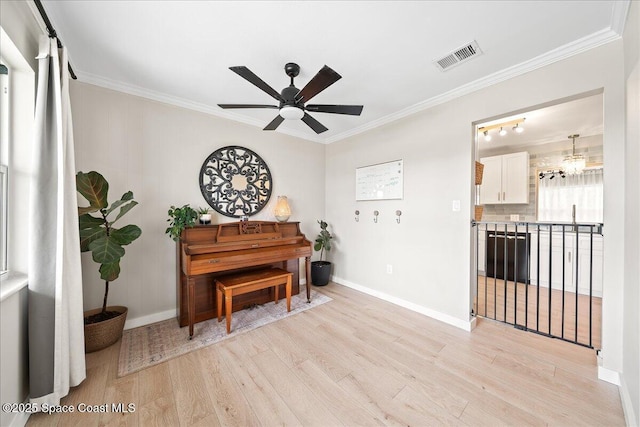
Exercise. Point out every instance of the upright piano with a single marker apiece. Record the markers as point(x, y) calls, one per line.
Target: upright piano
point(205, 252)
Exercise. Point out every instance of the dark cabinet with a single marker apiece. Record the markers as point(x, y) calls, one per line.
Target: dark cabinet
point(508, 251)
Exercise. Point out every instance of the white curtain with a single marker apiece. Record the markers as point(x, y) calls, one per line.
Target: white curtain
point(56, 329)
point(557, 196)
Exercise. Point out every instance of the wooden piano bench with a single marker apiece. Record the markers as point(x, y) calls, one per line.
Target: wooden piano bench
point(242, 283)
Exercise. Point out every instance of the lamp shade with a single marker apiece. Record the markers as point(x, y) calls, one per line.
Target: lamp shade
point(282, 211)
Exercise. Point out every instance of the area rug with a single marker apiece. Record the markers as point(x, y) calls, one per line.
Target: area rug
point(149, 345)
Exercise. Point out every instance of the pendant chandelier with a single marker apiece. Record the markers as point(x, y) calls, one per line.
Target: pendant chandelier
point(575, 163)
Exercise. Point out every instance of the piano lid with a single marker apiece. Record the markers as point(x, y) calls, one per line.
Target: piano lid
point(240, 236)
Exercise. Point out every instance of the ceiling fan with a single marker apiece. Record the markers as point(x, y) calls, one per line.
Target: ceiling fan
point(292, 100)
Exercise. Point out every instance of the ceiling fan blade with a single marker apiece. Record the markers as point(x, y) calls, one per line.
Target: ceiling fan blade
point(313, 123)
point(246, 106)
point(352, 110)
point(325, 78)
point(274, 123)
point(248, 75)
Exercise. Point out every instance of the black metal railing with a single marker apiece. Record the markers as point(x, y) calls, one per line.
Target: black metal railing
point(541, 277)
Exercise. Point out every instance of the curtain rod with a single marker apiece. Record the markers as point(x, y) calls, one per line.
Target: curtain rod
point(52, 33)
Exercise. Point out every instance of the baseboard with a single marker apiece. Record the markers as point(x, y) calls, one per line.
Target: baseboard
point(445, 318)
point(473, 323)
point(20, 418)
point(627, 405)
point(151, 318)
point(608, 375)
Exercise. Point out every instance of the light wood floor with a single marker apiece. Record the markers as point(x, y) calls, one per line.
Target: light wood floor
point(491, 303)
point(357, 360)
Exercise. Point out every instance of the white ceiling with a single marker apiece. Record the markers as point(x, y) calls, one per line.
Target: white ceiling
point(179, 51)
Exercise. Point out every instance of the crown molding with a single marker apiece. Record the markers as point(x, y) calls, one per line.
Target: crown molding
point(36, 15)
point(563, 52)
point(182, 103)
point(619, 14)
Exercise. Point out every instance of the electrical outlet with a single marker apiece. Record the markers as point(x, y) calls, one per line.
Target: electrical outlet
point(389, 269)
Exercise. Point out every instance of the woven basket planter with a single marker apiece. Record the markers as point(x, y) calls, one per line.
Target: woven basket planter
point(479, 170)
point(103, 334)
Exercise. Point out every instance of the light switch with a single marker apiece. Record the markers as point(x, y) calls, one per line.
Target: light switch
point(456, 205)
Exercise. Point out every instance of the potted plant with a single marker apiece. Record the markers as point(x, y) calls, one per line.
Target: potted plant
point(321, 270)
point(104, 326)
point(179, 219)
point(205, 216)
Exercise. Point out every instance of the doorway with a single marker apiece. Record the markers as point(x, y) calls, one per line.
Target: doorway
point(537, 256)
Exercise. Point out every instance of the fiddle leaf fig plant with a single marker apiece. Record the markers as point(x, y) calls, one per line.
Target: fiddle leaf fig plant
point(97, 233)
point(323, 241)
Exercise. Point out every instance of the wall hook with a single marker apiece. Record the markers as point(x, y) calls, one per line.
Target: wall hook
point(398, 213)
point(375, 216)
point(357, 215)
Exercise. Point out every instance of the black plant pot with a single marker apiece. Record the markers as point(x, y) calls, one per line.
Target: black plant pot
point(320, 272)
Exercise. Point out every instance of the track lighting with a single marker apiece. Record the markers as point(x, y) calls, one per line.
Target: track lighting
point(504, 126)
point(551, 173)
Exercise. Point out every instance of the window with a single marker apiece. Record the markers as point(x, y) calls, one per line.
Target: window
point(17, 104)
point(556, 197)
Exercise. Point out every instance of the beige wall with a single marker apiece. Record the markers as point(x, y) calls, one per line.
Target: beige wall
point(430, 250)
point(156, 151)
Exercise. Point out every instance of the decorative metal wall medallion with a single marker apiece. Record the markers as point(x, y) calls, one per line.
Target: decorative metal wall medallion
point(235, 181)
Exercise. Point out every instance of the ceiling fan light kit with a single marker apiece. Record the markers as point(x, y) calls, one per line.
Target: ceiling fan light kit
point(292, 100)
point(291, 113)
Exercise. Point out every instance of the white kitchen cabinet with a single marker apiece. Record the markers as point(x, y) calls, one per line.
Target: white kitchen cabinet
point(558, 252)
point(590, 275)
point(569, 254)
point(505, 179)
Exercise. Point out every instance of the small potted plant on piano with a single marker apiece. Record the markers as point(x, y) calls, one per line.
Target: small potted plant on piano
point(205, 216)
point(179, 219)
point(321, 270)
point(104, 326)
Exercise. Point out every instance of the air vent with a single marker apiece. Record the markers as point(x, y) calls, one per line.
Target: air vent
point(460, 55)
